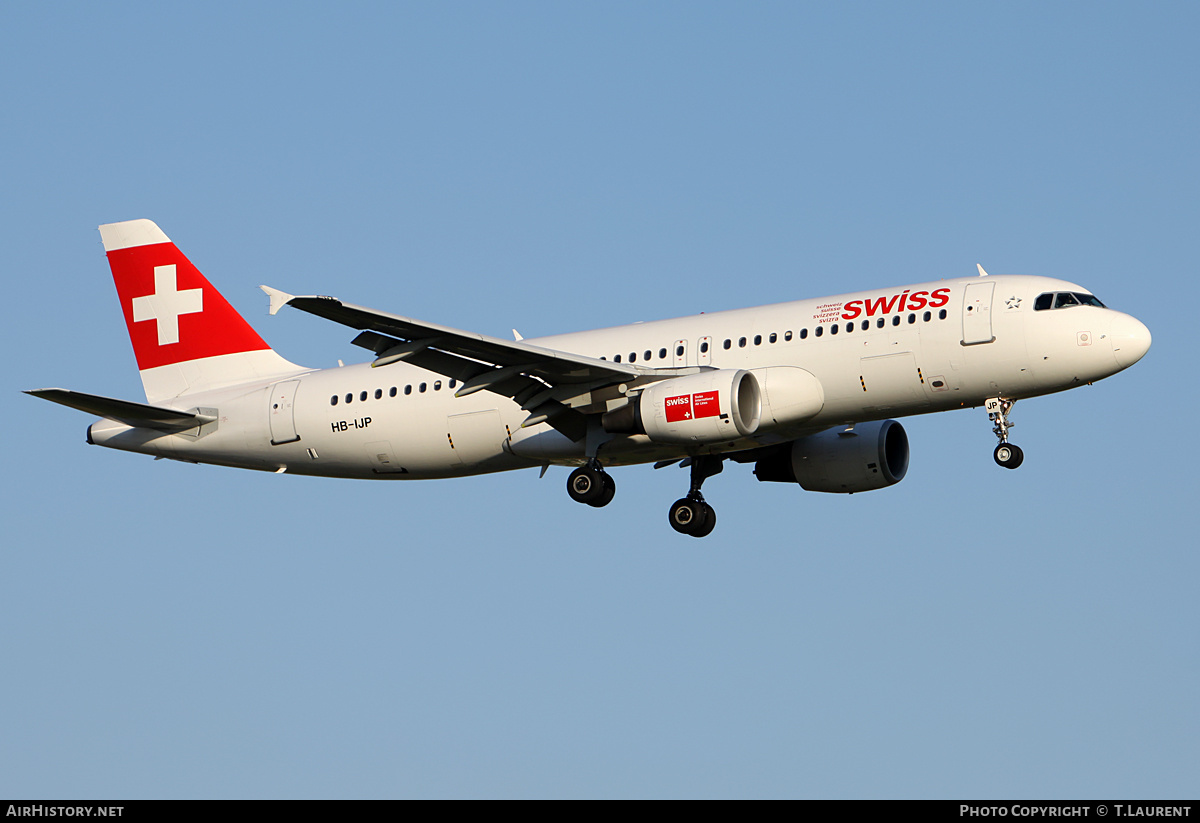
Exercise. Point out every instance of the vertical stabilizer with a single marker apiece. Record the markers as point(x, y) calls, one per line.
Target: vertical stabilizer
point(185, 335)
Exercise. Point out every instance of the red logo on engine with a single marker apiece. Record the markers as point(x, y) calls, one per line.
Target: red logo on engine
point(692, 406)
point(707, 404)
point(678, 408)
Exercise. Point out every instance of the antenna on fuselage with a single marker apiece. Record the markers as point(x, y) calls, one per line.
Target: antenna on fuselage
point(982, 273)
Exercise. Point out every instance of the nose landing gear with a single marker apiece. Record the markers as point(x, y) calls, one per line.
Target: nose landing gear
point(691, 515)
point(1006, 454)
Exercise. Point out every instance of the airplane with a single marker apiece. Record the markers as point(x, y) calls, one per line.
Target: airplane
point(805, 391)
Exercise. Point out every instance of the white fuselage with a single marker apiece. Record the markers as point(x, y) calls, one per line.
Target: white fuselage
point(955, 344)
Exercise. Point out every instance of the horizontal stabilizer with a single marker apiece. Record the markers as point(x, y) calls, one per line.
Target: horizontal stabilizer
point(123, 411)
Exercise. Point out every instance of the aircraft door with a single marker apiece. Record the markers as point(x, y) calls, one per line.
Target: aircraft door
point(704, 349)
point(679, 353)
point(977, 314)
point(282, 400)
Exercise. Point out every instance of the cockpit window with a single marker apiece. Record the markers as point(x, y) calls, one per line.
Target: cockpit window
point(1065, 299)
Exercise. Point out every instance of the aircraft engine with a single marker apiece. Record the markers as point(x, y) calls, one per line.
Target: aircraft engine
point(709, 407)
point(790, 395)
point(871, 456)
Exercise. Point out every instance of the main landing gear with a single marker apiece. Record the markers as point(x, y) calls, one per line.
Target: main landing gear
point(691, 515)
point(592, 485)
point(1006, 454)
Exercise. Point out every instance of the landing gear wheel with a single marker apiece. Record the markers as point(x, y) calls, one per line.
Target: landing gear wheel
point(692, 517)
point(587, 485)
point(610, 491)
point(1008, 455)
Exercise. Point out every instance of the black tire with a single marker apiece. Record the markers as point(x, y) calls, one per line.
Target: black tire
point(1008, 455)
point(694, 518)
point(610, 491)
point(686, 515)
point(586, 485)
point(709, 523)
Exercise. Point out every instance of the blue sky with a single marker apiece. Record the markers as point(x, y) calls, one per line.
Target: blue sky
point(188, 631)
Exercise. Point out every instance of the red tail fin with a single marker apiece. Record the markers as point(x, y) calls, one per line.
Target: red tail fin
point(185, 335)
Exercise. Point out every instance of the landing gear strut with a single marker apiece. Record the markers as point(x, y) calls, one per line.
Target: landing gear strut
point(691, 515)
point(592, 485)
point(1006, 454)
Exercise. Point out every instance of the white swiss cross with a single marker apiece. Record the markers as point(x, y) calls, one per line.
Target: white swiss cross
point(166, 304)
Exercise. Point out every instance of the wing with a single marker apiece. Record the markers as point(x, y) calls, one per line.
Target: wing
point(124, 411)
point(556, 387)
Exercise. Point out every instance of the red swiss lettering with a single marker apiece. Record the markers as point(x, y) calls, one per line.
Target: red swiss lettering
point(882, 305)
point(678, 408)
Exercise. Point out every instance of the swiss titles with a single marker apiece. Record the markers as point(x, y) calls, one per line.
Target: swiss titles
point(904, 301)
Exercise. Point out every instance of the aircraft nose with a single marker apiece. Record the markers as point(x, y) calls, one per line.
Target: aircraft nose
point(1130, 340)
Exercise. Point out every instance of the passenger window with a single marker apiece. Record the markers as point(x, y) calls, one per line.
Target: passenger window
point(408, 389)
point(704, 347)
point(758, 339)
point(379, 394)
point(633, 357)
point(616, 358)
point(803, 334)
point(866, 325)
point(333, 400)
point(646, 354)
point(880, 322)
point(421, 388)
point(912, 318)
point(362, 396)
point(773, 337)
point(787, 336)
point(662, 353)
point(928, 316)
point(349, 398)
point(741, 342)
point(896, 320)
point(679, 351)
point(727, 343)
point(437, 385)
point(392, 391)
point(941, 315)
point(849, 328)
point(833, 328)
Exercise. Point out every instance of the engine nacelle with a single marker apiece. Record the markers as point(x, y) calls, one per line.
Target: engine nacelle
point(790, 395)
point(872, 456)
point(709, 407)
